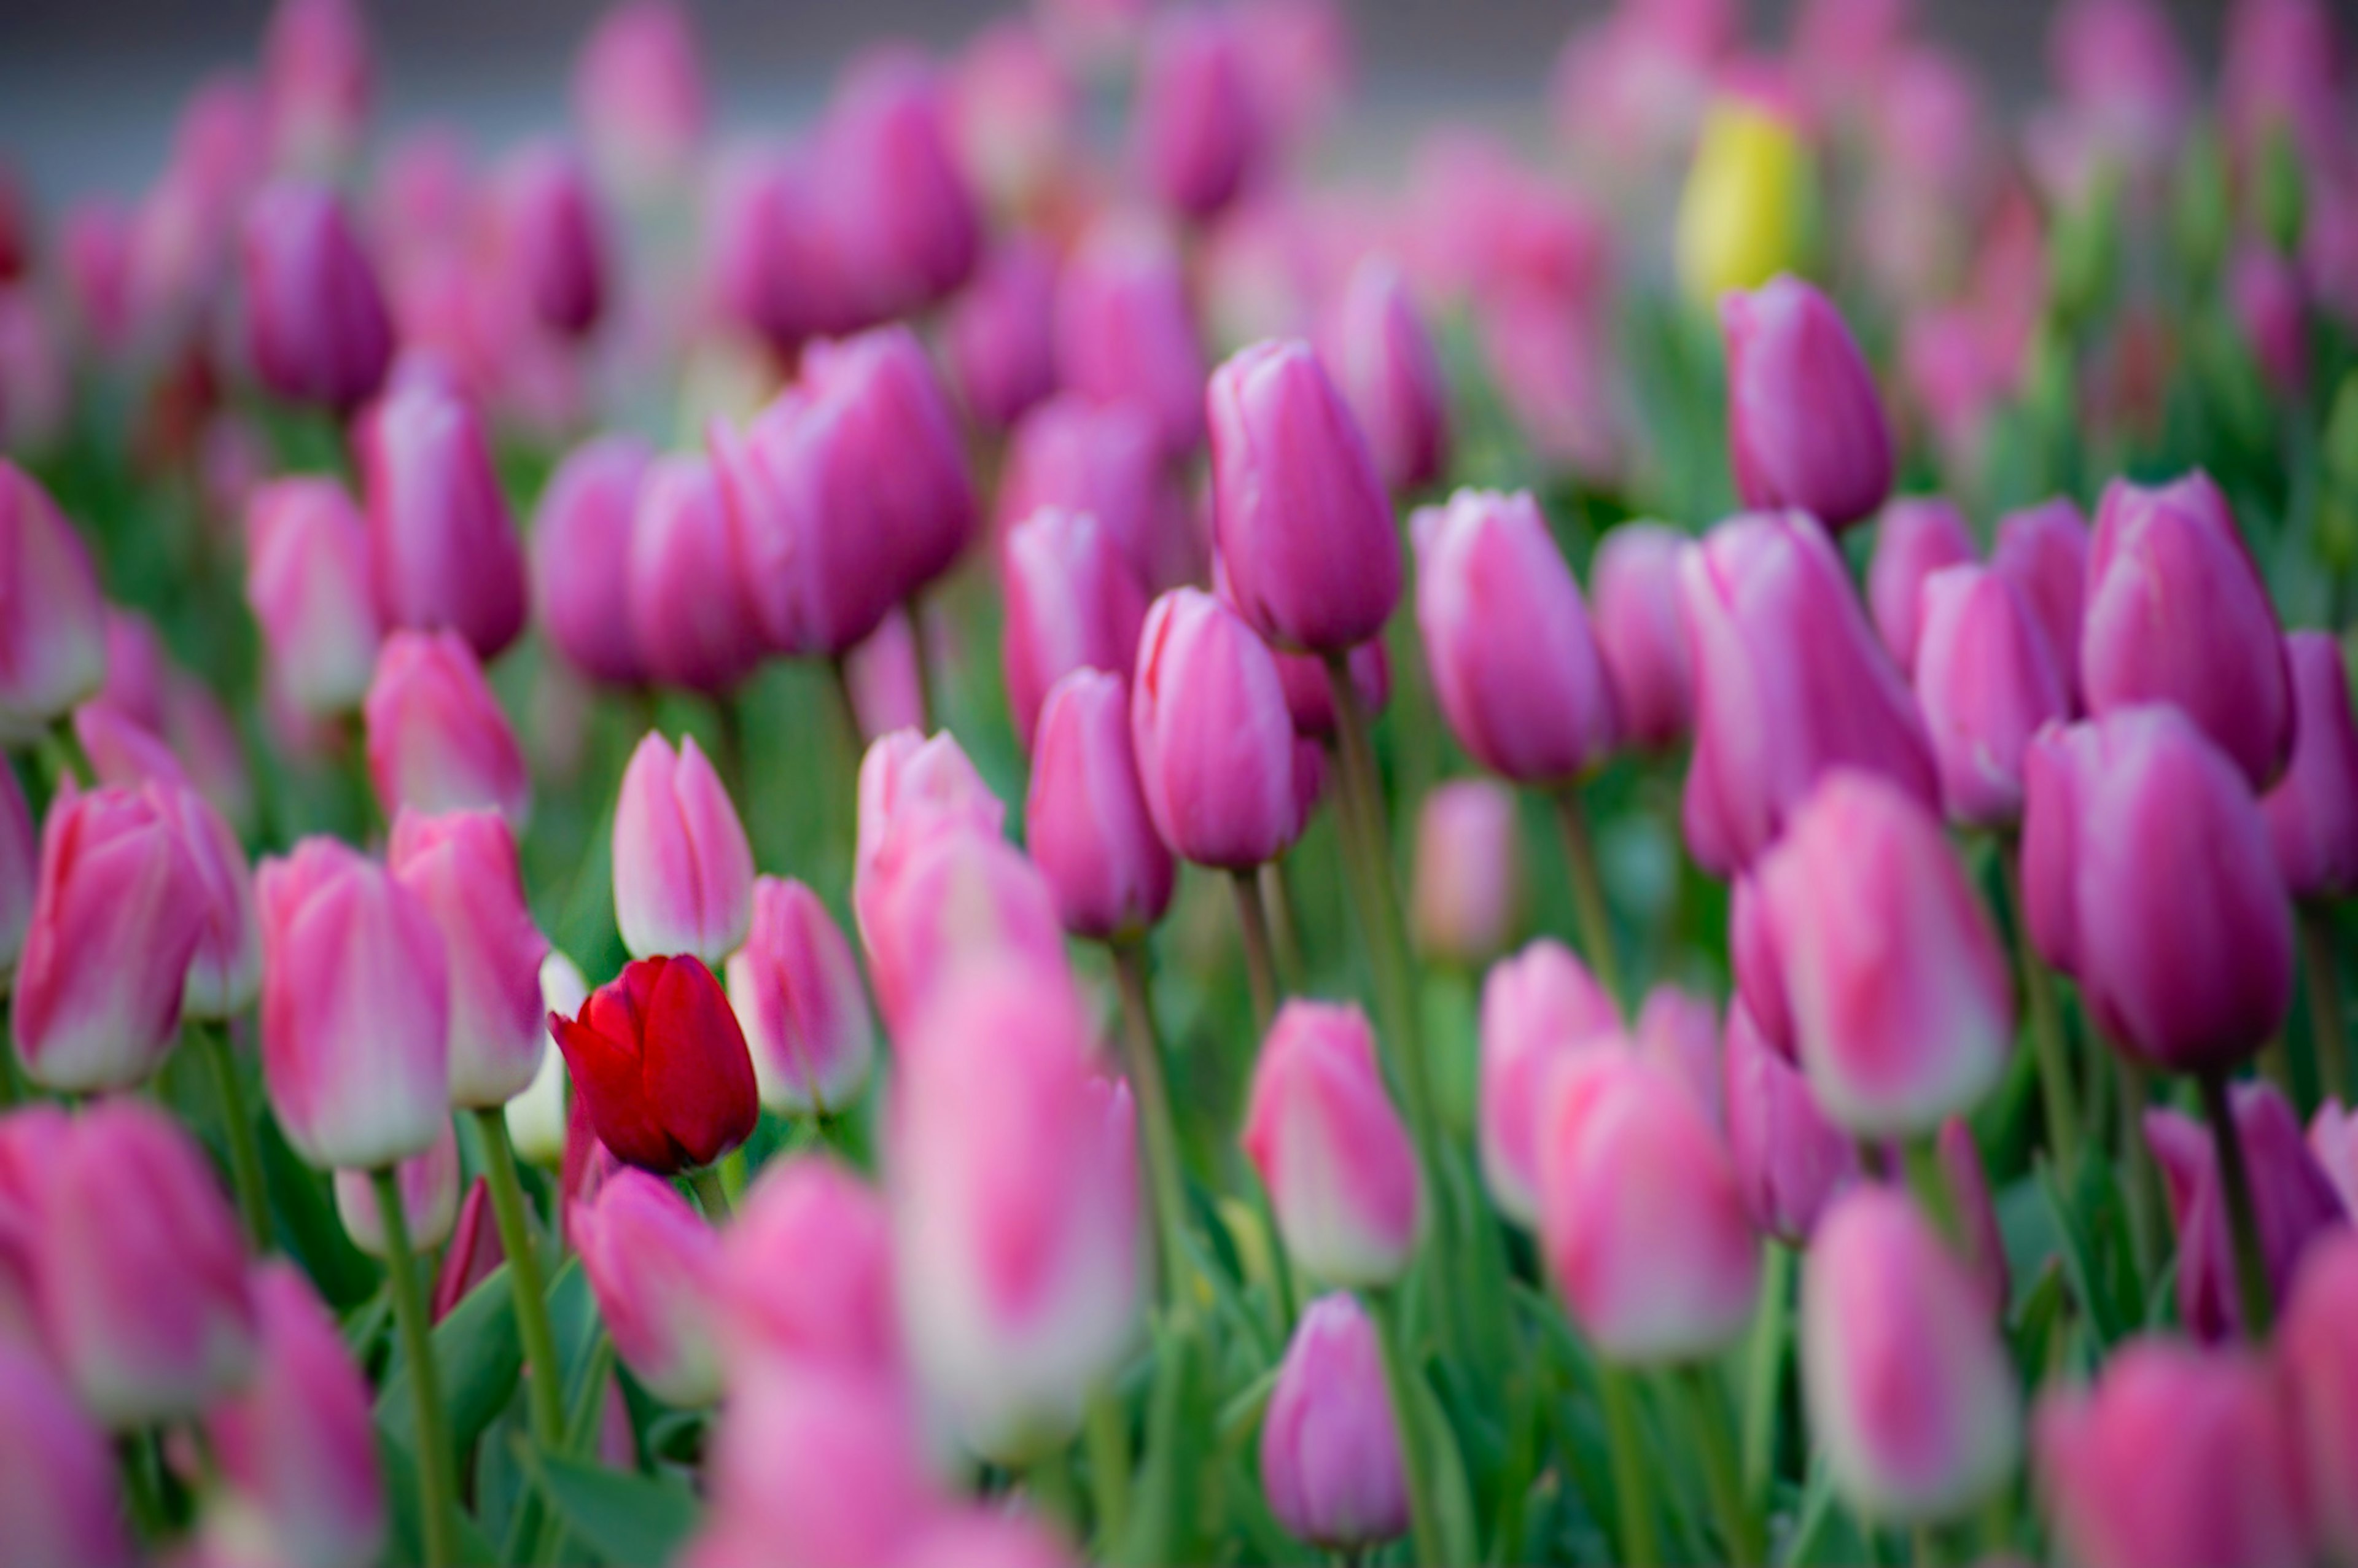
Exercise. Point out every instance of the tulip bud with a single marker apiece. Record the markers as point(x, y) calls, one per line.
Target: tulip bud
point(1514, 666)
point(796, 990)
point(1745, 212)
point(62, 1506)
point(1986, 683)
point(1806, 429)
point(661, 1065)
point(655, 1265)
point(1790, 683)
point(824, 550)
point(1539, 1008)
point(899, 205)
point(1789, 1160)
point(463, 866)
point(581, 541)
point(691, 618)
point(683, 868)
point(355, 1008)
point(1634, 610)
point(951, 900)
point(118, 910)
point(2177, 613)
point(21, 861)
point(443, 551)
point(307, 576)
point(1640, 1219)
point(297, 1447)
point(1679, 1032)
point(1100, 458)
point(1901, 1000)
point(438, 741)
point(909, 785)
point(638, 92)
point(316, 322)
point(1074, 601)
point(1320, 1131)
point(806, 1272)
point(1305, 527)
point(53, 638)
point(2043, 551)
point(1085, 819)
point(537, 1118)
point(473, 1252)
point(1907, 1385)
point(1468, 887)
point(1213, 739)
point(999, 335)
point(2320, 1364)
point(2293, 1199)
point(1016, 1219)
point(1330, 1447)
point(429, 1199)
point(1199, 136)
point(1125, 332)
point(2147, 876)
point(888, 689)
point(2312, 812)
point(1917, 536)
point(1389, 372)
point(550, 224)
point(2177, 1457)
point(141, 1268)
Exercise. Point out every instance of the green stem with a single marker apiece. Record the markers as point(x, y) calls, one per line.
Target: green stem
point(1425, 1522)
point(731, 761)
point(847, 711)
point(1284, 925)
point(582, 1426)
point(927, 709)
point(1108, 1435)
point(245, 1154)
point(2242, 1217)
point(68, 759)
point(2046, 1019)
point(1930, 1183)
point(437, 1483)
point(2324, 981)
point(2137, 1172)
point(1739, 1525)
point(705, 1180)
point(1765, 1378)
point(1143, 1059)
point(1588, 891)
point(542, 1372)
point(1261, 968)
point(1633, 1493)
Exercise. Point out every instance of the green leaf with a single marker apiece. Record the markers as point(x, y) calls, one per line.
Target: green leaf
point(1162, 1523)
point(306, 1210)
point(478, 1357)
point(622, 1519)
point(1452, 1498)
point(403, 1540)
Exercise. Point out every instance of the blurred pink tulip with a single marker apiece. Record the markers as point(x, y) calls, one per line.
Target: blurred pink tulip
point(443, 550)
point(999, 335)
point(654, 1266)
point(2043, 551)
point(1330, 1447)
point(950, 900)
point(1679, 1031)
point(888, 689)
point(317, 74)
point(60, 1502)
point(429, 1199)
point(437, 738)
point(1390, 370)
point(581, 548)
point(20, 869)
point(691, 617)
point(1634, 611)
point(552, 238)
point(2271, 307)
point(1967, 1180)
point(316, 323)
point(1200, 137)
point(307, 578)
point(896, 199)
point(464, 866)
point(2312, 812)
point(1125, 332)
point(806, 1272)
point(911, 785)
point(1016, 110)
point(2321, 1378)
point(1538, 1008)
point(225, 969)
point(1100, 458)
point(1916, 536)
point(1468, 887)
point(1213, 736)
point(638, 93)
point(1790, 1161)
point(1073, 601)
point(1986, 683)
point(1320, 1131)
point(798, 990)
point(816, 1464)
point(52, 621)
point(1085, 821)
point(1806, 429)
point(682, 866)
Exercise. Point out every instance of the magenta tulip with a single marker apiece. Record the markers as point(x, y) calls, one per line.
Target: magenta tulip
point(1200, 139)
point(60, 1502)
point(429, 1199)
point(806, 1272)
point(1213, 737)
point(898, 206)
point(464, 866)
point(1916, 536)
point(1126, 333)
point(1000, 336)
point(911, 785)
point(1073, 600)
point(1539, 1008)
point(1330, 1447)
point(638, 92)
point(2320, 1367)
point(1678, 1031)
point(2043, 551)
point(1389, 372)
point(317, 79)
point(691, 613)
point(442, 549)
point(315, 317)
point(1104, 459)
point(20, 871)
point(306, 577)
point(888, 689)
point(1468, 886)
point(1806, 429)
point(682, 866)
point(1086, 821)
point(437, 738)
point(1987, 682)
point(1790, 1159)
point(654, 1266)
point(816, 1464)
point(53, 633)
point(581, 541)
point(944, 903)
point(225, 970)
point(1634, 610)
point(796, 989)
point(2312, 812)
point(554, 246)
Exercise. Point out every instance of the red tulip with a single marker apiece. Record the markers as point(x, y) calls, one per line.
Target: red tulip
point(661, 1065)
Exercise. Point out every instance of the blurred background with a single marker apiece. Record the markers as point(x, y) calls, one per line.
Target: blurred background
point(87, 87)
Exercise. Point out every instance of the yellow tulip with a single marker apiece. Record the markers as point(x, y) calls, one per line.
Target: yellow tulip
point(1750, 203)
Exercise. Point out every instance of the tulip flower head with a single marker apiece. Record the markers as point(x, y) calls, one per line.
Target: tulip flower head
point(53, 636)
point(2312, 812)
point(653, 1265)
point(437, 740)
point(463, 865)
point(1086, 819)
point(1806, 427)
point(682, 866)
point(660, 1064)
point(60, 1499)
point(796, 989)
point(1538, 1008)
point(1330, 1449)
point(1213, 734)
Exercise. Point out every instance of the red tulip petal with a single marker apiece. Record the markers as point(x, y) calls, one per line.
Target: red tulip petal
point(606, 1074)
point(699, 1074)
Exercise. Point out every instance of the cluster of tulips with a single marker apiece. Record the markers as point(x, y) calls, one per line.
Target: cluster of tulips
point(1033, 611)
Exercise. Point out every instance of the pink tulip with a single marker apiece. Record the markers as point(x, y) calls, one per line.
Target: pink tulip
point(296, 1446)
point(1199, 138)
point(682, 866)
point(2147, 876)
point(429, 1199)
point(1330, 1447)
point(1125, 332)
point(2176, 1457)
point(549, 224)
point(225, 969)
point(2334, 1140)
point(437, 739)
point(1538, 1008)
point(1634, 610)
point(1907, 1387)
point(443, 550)
point(888, 689)
point(1901, 1000)
point(981, 1536)
point(1073, 601)
point(1986, 683)
point(1388, 369)
point(1000, 336)
point(581, 545)
point(1917, 536)
point(1016, 1221)
point(464, 866)
point(638, 93)
point(1310, 694)
point(806, 1272)
point(53, 631)
point(1213, 739)
point(1016, 110)
point(2043, 551)
point(2271, 307)
point(316, 322)
point(1789, 1160)
point(796, 989)
point(20, 862)
point(817, 1465)
point(355, 1008)
point(825, 551)
point(909, 785)
point(2312, 812)
point(896, 201)
point(135, 663)
point(1806, 429)
point(1515, 666)
point(691, 618)
point(1790, 683)
point(306, 577)
point(1101, 459)
point(141, 1270)
point(2293, 1198)
point(947, 902)
point(2177, 613)
point(1468, 887)
point(1320, 1131)
point(61, 1503)
point(776, 261)
point(653, 1265)
point(1085, 821)
point(118, 910)
point(317, 79)
point(471, 1254)
point(1968, 1183)
point(1305, 527)
point(2320, 1377)
point(1679, 1031)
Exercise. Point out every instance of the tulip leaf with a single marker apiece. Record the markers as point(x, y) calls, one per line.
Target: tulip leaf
point(1162, 1520)
point(1453, 1498)
point(306, 1210)
point(404, 1542)
point(478, 1356)
point(2091, 1221)
point(620, 1518)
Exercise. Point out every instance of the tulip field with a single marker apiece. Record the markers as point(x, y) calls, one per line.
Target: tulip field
point(1066, 815)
